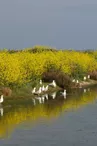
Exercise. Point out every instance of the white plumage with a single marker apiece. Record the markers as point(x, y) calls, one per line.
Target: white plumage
point(77, 81)
point(73, 80)
point(53, 83)
point(64, 93)
point(1, 99)
point(88, 76)
point(42, 88)
point(40, 82)
point(85, 78)
point(46, 88)
point(33, 91)
point(39, 91)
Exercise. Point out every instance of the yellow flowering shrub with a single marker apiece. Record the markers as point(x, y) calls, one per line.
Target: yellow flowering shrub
point(22, 66)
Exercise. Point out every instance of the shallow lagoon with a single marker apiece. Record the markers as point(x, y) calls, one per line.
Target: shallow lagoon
point(59, 121)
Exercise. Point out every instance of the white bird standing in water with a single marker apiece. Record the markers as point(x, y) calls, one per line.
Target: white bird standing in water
point(38, 92)
point(33, 91)
point(42, 88)
point(53, 83)
point(53, 95)
point(40, 82)
point(1, 99)
point(64, 93)
point(46, 88)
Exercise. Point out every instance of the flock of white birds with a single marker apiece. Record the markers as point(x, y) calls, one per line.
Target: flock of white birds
point(42, 95)
point(41, 92)
point(84, 78)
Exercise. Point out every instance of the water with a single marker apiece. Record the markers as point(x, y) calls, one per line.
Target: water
point(61, 24)
point(55, 121)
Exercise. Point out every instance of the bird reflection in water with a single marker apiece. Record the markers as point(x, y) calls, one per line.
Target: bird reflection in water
point(1, 111)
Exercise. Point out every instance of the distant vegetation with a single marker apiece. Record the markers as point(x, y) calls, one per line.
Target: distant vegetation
point(19, 67)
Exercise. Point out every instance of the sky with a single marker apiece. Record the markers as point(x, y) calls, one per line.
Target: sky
point(61, 24)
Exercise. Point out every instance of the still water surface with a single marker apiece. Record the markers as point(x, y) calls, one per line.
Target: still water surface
point(69, 121)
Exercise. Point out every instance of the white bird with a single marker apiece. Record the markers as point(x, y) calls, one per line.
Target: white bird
point(1, 99)
point(85, 78)
point(77, 81)
point(53, 95)
point(42, 88)
point(1, 111)
point(33, 91)
point(46, 88)
point(40, 82)
point(53, 83)
point(88, 76)
point(39, 91)
point(73, 80)
point(64, 93)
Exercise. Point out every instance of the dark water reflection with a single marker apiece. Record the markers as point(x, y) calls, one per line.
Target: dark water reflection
point(26, 120)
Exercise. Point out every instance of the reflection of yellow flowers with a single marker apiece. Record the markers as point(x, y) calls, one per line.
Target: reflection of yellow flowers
point(46, 111)
point(20, 67)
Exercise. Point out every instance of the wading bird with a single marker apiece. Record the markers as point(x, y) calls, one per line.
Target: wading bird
point(88, 76)
point(46, 88)
point(33, 91)
point(64, 93)
point(85, 78)
point(73, 80)
point(40, 82)
point(53, 83)
point(42, 88)
point(77, 81)
point(1, 99)
point(38, 92)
